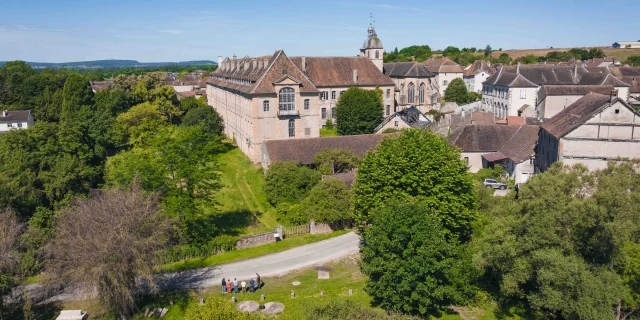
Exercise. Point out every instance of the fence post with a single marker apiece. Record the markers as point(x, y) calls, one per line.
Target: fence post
point(312, 227)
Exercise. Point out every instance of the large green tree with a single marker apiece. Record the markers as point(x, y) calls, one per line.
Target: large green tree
point(417, 164)
point(10, 230)
point(333, 160)
point(208, 117)
point(413, 267)
point(457, 92)
point(287, 182)
point(359, 111)
point(569, 248)
point(77, 94)
point(329, 202)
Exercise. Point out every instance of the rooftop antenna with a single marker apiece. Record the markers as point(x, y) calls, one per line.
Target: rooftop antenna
point(370, 19)
point(374, 22)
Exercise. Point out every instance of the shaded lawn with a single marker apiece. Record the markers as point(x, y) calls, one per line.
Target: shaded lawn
point(249, 253)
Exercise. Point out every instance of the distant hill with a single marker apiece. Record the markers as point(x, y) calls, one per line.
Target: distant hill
point(101, 64)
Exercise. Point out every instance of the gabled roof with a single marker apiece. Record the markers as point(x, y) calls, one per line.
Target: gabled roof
point(601, 79)
point(411, 116)
point(407, 70)
point(626, 71)
point(483, 118)
point(442, 65)
point(481, 138)
point(14, 116)
point(338, 71)
point(577, 114)
point(303, 151)
point(522, 144)
point(478, 66)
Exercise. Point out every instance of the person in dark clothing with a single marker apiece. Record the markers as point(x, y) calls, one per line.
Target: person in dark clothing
point(252, 284)
point(224, 286)
point(258, 283)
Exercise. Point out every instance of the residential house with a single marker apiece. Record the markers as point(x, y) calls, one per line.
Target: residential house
point(416, 84)
point(599, 62)
point(475, 141)
point(595, 129)
point(626, 44)
point(631, 76)
point(405, 118)
point(97, 86)
point(303, 151)
point(445, 71)
point(554, 98)
point(15, 120)
point(517, 156)
point(477, 73)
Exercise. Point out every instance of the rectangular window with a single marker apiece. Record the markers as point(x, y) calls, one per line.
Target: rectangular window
point(10, 125)
point(466, 160)
point(306, 104)
point(19, 124)
point(388, 93)
point(292, 128)
point(523, 93)
point(333, 112)
point(388, 110)
point(341, 93)
point(333, 95)
point(324, 113)
point(265, 106)
point(395, 123)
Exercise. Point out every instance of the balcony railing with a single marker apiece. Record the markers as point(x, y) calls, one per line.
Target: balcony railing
point(282, 112)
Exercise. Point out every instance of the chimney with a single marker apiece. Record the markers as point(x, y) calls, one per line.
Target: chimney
point(246, 65)
point(255, 64)
point(355, 76)
point(304, 65)
point(614, 95)
point(265, 63)
point(234, 56)
point(237, 63)
point(219, 61)
point(518, 68)
point(575, 70)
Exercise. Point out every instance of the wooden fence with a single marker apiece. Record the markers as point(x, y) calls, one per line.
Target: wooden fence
point(296, 231)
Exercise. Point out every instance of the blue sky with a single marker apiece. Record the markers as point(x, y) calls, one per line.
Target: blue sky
point(179, 30)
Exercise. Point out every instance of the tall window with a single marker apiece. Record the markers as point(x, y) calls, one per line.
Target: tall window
point(388, 110)
point(292, 128)
point(421, 94)
point(388, 93)
point(265, 106)
point(377, 54)
point(523, 93)
point(324, 113)
point(333, 112)
point(306, 104)
point(287, 99)
point(333, 95)
point(411, 93)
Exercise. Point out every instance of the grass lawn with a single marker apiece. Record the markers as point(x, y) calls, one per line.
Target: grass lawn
point(249, 253)
point(242, 195)
point(345, 275)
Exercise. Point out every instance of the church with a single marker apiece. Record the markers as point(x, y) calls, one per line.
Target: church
point(279, 97)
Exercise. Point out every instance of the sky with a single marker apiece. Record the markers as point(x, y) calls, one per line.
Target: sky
point(181, 30)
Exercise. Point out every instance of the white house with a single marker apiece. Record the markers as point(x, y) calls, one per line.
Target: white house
point(405, 118)
point(475, 141)
point(517, 156)
point(445, 70)
point(14, 120)
point(594, 130)
point(477, 73)
point(552, 99)
point(626, 44)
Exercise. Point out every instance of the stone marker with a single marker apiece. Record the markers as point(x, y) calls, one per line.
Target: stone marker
point(201, 301)
point(152, 313)
point(171, 302)
point(321, 293)
point(295, 283)
point(273, 307)
point(262, 297)
point(323, 274)
point(163, 312)
point(146, 312)
point(233, 299)
point(350, 292)
point(293, 295)
point(248, 306)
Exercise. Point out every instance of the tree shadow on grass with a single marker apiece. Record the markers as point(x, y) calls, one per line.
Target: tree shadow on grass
point(180, 299)
point(234, 223)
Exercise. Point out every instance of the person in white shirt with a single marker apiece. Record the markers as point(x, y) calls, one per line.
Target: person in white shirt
point(244, 286)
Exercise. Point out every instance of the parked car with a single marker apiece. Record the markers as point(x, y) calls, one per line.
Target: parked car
point(495, 184)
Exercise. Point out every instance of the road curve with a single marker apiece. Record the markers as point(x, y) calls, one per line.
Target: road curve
point(269, 265)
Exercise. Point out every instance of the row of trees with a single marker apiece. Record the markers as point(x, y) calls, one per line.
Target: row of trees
point(416, 53)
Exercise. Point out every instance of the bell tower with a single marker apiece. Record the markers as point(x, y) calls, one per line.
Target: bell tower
point(372, 47)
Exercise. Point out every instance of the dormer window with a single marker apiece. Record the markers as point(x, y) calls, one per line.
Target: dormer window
point(287, 100)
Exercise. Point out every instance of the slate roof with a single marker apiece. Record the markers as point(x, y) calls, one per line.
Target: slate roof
point(576, 114)
point(477, 67)
point(303, 151)
point(573, 90)
point(483, 118)
point(601, 79)
point(338, 71)
point(98, 86)
point(14, 116)
point(626, 71)
point(442, 65)
point(522, 144)
point(407, 70)
point(544, 74)
point(411, 116)
point(372, 42)
point(482, 138)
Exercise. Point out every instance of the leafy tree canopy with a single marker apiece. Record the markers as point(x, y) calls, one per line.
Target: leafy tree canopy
point(411, 264)
point(422, 165)
point(329, 202)
point(331, 161)
point(286, 182)
point(210, 119)
point(359, 111)
point(457, 92)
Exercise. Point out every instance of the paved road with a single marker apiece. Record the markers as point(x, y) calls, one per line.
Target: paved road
point(270, 265)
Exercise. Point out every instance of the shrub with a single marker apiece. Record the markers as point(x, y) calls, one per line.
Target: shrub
point(329, 202)
point(345, 310)
point(286, 182)
point(291, 213)
point(390, 130)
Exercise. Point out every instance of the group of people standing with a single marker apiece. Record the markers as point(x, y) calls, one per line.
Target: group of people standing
point(253, 285)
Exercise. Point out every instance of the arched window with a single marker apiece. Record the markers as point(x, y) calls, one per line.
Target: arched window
point(421, 94)
point(287, 99)
point(265, 106)
point(377, 54)
point(411, 93)
point(292, 128)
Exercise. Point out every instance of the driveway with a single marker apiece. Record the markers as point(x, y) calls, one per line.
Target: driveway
point(269, 265)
